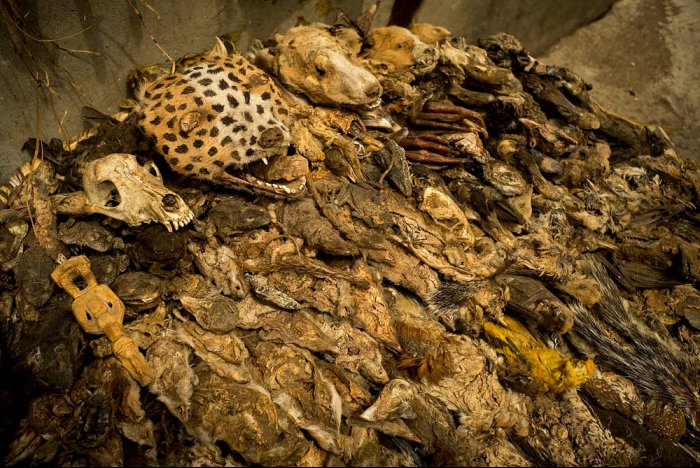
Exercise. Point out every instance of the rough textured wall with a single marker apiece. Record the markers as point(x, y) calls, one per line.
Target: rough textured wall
point(642, 60)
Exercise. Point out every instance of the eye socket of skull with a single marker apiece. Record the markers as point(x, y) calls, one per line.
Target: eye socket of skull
point(170, 203)
point(108, 194)
point(152, 169)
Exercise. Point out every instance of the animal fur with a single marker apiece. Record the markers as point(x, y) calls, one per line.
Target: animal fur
point(659, 367)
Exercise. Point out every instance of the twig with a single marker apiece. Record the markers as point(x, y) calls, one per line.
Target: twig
point(139, 15)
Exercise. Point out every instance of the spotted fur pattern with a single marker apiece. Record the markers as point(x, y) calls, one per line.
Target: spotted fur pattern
point(219, 112)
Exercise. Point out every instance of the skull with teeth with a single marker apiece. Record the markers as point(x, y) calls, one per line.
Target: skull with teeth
point(119, 187)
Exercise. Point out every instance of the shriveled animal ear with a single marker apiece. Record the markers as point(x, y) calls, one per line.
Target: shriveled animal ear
point(228, 43)
point(301, 21)
point(364, 21)
point(342, 19)
point(266, 59)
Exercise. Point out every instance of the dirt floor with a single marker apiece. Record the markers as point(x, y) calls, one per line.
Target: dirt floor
point(642, 59)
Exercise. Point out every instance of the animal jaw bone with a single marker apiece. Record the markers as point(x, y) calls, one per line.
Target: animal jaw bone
point(118, 187)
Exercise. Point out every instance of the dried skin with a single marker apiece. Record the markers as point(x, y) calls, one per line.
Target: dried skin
point(303, 219)
point(89, 234)
point(615, 392)
point(357, 351)
point(224, 353)
point(298, 389)
point(219, 263)
point(426, 418)
point(33, 275)
point(148, 327)
point(173, 377)
point(234, 215)
point(371, 312)
point(138, 290)
point(155, 245)
point(44, 214)
point(246, 419)
point(217, 313)
point(569, 434)
point(299, 328)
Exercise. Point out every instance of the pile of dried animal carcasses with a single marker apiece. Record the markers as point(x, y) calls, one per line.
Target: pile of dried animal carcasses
point(383, 247)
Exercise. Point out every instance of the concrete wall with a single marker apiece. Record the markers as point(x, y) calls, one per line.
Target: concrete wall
point(101, 40)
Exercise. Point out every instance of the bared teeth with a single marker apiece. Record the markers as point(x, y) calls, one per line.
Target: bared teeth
point(275, 187)
point(265, 161)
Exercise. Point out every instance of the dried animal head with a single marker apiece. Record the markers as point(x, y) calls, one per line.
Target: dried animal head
point(402, 49)
point(321, 63)
point(216, 116)
point(119, 187)
point(430, 33)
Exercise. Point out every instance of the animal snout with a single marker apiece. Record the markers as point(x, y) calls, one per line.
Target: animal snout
point(271, 137)
point(170, 202)
point(374, 90)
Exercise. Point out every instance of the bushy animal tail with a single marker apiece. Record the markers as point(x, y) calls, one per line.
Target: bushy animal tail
point(658, 366)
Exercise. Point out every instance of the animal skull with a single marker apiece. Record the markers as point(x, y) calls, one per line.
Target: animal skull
point(119, 187)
